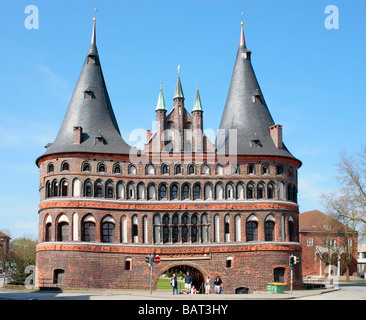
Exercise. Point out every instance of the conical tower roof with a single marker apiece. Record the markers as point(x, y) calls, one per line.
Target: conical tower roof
point(161, 101)
point(90, 109)
point(246, 111)
point(197, 102)
point(178, 88)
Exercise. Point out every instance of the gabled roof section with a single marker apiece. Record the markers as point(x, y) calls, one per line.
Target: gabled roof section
point(91, 110)
point(246, 112)
point(317, 221)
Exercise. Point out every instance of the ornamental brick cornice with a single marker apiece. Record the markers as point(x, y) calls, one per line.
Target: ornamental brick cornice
point(171, 206)
point(166, 251)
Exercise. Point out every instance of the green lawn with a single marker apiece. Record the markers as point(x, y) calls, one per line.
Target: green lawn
point(164, 284)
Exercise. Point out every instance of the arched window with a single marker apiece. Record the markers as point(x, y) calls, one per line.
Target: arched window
point(185, 192)
point(101, 168)
point(205, 169)
point(86, 167)
point(269, 225)
point(64, 188)
point(124, 229)
point(217, 228)
point(98, 193)
point(156, 229)
point(260, 191)
point(204, 228)
point(63, 228)
point(194, 229)
point(109, 190)
point(162, 192)
point(48, 190)
point(208, 191)
point(140, 191)
point(48, 229)
point(197, 192)
point(175, 230)
point(291, 229)
point(65, 166)
point(279, 169)
point(135, 229)
point(229, 191)
point(178, 169)
point(265, 169)
point(120, 190)
point(54, 188)
point(227, 228)
point(151, 192)
point(270, 191)
point(219, 191)
point(132, 169)
point(166, 228)
point(108, 230)
point(88, 189)
point(173, 192)
point(184, 228)
point(88, 229)
point(150, 170)
point(50, 168)
point(250, 190)
point(237, 228)
point(117, 169)
point(219, 169)
point(239, 191)
point(252, 228)
point(130, 190)
point(164, 169)
point(191, 169)
point(251, 169)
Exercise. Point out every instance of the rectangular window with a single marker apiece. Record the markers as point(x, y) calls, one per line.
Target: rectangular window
point(310, 242)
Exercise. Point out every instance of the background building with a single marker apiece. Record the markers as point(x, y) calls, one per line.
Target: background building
point(323, 242)
point(227, 207)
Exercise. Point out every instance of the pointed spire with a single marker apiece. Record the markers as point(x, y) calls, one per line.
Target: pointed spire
point(242, 39)
point(90, 109)
point(94, 36)
point(178, 89)
point(197, 102)
point(161, 102)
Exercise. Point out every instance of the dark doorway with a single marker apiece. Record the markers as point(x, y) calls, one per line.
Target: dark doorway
point(279, 275)
point(181, 271)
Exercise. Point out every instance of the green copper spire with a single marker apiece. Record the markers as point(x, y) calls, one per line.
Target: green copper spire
point(161, 102)
point(178, 89)
point(197, 102)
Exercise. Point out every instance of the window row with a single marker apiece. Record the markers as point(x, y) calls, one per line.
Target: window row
point(174, 191)
point(165, 169)
point(173, 228)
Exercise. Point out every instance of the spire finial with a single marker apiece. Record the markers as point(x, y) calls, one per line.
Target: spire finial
point(178, 67)
point(94, 37)
point(242, 40)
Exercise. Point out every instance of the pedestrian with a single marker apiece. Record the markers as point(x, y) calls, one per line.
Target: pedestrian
point(188, 282)
point(174, 283)
point(208, 285)
point(218, 284)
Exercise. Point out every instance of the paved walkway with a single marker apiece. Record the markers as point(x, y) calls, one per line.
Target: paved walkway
point(6, 294)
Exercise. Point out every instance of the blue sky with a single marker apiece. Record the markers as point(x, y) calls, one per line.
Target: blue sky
point(313, 78)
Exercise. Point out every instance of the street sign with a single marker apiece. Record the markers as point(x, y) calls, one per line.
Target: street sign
point(157, 259)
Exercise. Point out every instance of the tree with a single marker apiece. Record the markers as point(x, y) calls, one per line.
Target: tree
point(352, 176)
point(344, 210)
point(22, 254)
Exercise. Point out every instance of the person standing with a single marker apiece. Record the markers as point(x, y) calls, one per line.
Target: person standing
point(174, 283)
point(218, 284)
point(188, 282)
point(208, 285)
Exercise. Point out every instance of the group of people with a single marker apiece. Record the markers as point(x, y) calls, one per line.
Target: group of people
point(188, 281)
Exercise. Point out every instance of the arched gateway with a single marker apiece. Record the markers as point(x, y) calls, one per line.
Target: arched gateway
point(198, 274)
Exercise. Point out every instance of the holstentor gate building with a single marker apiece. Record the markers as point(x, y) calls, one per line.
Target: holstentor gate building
point(226, 207)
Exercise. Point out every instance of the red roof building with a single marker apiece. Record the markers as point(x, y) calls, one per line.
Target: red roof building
point(324, 242)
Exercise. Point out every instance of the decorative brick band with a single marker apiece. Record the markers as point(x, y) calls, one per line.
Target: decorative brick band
point(167, 206)
point(217, 248)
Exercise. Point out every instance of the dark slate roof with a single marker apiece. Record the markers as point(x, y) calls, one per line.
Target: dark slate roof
point(95, 116)
point(251, 120)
